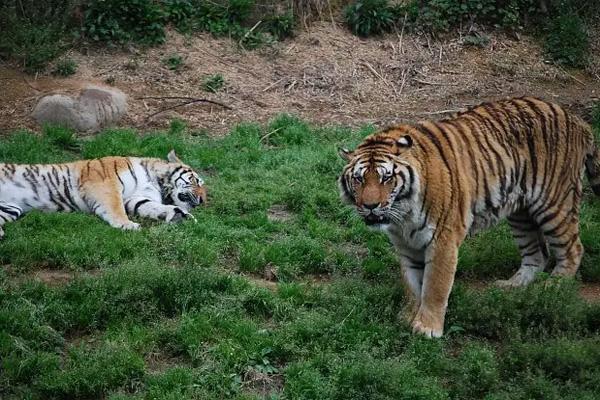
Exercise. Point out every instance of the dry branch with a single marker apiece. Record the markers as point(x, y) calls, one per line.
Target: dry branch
point(189, 100)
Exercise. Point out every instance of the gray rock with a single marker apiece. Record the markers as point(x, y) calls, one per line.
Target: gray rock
point(94, 108)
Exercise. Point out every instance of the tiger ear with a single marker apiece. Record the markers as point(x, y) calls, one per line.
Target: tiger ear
point(345, 153)
point(172, 157)
point(404, 141)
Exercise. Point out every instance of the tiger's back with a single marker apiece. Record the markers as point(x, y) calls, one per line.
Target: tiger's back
point(513, 154)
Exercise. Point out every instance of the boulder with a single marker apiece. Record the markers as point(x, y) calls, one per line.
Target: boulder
point(94, 108)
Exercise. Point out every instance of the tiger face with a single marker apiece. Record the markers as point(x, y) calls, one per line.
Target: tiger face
point(188, 189)
point(378, 180)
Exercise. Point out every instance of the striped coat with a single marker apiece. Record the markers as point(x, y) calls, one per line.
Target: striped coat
point(430, 184)
point(114, 188)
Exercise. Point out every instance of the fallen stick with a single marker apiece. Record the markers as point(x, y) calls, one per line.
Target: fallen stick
point(434, 83)
point(185, 103)
point(272, 84)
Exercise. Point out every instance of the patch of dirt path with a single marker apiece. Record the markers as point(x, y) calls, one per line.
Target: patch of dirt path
point(325, 75)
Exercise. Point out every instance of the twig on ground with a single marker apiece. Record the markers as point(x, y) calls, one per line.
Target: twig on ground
point(404, 76)
point(249, 32)
point(272, 84)
point(402, 35)
point(190, 100)
point(378, 75)
point(572, 76)
point(434, 83)
point(269, 134)
point(30, 85)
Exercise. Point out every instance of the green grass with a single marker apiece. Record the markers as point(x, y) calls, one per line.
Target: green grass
point(174, 312)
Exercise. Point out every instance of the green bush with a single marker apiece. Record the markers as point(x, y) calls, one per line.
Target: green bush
point(567, 41)
point(34, 34)
point(213, 83)
point(173, 62)
point(122, 21)
point(33, 45)
point(66, 67)
point(62, 137)
point(280, 26)
point(180, 13)
point(369, 17)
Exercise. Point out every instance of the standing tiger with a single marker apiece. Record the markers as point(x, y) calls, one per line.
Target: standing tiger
point(430, 184)
point(114, 188)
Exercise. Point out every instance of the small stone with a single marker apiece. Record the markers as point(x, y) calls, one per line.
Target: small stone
point(95, 107)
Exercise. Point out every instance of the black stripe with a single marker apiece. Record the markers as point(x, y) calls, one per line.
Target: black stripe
point(139, 204)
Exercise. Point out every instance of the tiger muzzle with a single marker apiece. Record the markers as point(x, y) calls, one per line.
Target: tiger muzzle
point(373, 219)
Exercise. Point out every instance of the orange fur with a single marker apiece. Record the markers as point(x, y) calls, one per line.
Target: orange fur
point(519, 158)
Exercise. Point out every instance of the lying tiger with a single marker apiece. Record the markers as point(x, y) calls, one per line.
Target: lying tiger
point(114, 188)
point(430, 184)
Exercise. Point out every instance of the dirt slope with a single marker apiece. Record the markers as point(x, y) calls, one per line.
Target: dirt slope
point(325, 75)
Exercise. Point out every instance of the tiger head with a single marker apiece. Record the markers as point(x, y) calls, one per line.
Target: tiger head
point(380, 178)
point(184, 188)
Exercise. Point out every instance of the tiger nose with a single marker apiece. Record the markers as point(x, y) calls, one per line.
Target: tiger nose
point(371, 206)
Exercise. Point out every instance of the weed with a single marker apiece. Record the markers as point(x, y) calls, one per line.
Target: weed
point(369, 17)
point(213, 83)
point(280, 26)
point(122, 21)
point(62, 137)
point(174, 62)
point(567, 41)
point(65, 67)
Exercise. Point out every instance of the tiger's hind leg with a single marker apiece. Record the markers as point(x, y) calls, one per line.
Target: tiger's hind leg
point(8, 213)
point(566, 245)
point(560, 224)
point(532, 246)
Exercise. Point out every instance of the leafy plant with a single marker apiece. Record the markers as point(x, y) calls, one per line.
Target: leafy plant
point(174, 62)
point(280, 26)
point(65, 67)
point(180, 13)
point(33, 45)
point(213, 83)
point(567, 41)
point(122, 21)
point(369, 17)
point(62, 137)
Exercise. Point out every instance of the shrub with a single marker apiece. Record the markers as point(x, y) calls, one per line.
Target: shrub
point(213, 83)
point(567, 41)
point(34, 46)
point(173, 62)
point(280, 26)
point(33, 34)
point(122, 21)
point(65, 67)
point(62, 137)
point(369, 17)
point(180, 13)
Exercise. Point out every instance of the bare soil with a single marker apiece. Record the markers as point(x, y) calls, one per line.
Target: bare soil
point(325, 75)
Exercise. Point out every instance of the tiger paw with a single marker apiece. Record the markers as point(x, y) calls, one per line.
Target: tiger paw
point(428, 325)
point(1, 233)
point(177, 214)
point(130, 226)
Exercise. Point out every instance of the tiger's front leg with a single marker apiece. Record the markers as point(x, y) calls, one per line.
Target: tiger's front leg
point(438, 278)
point(148, 208)
point(412, 264)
